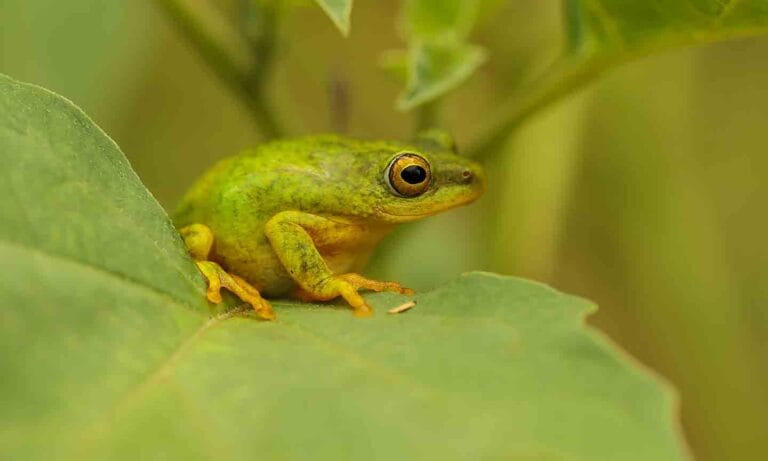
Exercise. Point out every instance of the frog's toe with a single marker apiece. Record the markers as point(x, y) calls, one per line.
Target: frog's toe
point(363, 312)
point(264, 311)
point(348, 291)
point(213, 296)
point(210, 271)
point(249, 294)
point(260, 305)
point(358, 281)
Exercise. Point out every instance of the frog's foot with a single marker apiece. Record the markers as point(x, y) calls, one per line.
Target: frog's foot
point(346, 286)
point(218, 278)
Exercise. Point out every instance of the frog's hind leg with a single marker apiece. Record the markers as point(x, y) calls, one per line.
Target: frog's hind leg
point(289, 234)
point(199, 241)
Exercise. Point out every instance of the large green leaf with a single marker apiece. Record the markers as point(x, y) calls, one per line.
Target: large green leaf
point(339, 11)
point(602, 34)
point(107, 350)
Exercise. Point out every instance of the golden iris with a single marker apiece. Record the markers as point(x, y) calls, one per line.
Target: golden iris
point(409, 174)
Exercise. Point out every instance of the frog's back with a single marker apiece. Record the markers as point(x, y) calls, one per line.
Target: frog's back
point(309, 174)
point(254, 167)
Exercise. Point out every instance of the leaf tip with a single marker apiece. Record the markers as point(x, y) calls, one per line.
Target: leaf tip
point(339, 13)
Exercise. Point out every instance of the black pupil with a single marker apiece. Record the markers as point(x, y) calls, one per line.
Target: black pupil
point(413, 174)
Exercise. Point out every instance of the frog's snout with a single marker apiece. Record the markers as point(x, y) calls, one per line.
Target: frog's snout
point(472, 176)
point(466, 176)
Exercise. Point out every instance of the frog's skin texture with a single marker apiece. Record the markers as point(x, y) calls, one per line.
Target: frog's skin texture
point(301, 217)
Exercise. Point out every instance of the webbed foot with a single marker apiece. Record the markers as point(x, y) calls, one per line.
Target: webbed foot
point(218, 278)
point(346, 286)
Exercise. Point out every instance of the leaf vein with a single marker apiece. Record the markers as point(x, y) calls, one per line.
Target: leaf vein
point(161, 372)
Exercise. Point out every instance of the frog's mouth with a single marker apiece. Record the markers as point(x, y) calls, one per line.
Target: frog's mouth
point(431, 205)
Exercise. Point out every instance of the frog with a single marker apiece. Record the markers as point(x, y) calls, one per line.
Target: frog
point(300, 217)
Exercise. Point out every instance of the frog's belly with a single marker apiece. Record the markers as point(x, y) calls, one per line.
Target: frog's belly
point(348, 262)
point(263, 269)
point(259, 266)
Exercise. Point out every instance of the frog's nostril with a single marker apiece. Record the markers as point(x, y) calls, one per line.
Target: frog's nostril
point(466, 175)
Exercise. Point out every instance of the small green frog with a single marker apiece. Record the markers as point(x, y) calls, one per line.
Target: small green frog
point(301, 217)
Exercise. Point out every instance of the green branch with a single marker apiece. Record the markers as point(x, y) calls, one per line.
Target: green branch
point(575, 71)
point(234, 57)
point(559, 81)
point(429, 115)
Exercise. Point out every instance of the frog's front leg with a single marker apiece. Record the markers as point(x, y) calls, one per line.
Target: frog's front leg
point(290, 234)
point(199, 241)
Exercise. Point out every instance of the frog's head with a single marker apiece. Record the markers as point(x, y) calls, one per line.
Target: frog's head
point(425, 178)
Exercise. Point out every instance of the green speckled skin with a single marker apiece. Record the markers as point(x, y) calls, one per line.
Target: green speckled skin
point(330, 188)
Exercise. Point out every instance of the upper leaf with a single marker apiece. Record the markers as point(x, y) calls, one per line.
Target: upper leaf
point(602, 34)
point(106, 351)
point(339, 11)
point(435, 67)
point(602, 27)
point(439, 58)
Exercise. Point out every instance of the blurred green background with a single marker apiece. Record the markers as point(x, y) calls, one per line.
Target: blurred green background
point(645, 193)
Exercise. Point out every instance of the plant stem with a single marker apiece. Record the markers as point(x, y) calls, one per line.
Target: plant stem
point(229, 55)
point(558, 82)
point(429, 115)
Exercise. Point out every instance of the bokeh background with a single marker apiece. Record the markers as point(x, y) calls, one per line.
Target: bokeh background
point(646, 192)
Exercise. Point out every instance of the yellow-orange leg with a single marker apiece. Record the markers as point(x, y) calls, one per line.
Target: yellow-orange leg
point(199, 240)
point(218, 278)
point(289, 234)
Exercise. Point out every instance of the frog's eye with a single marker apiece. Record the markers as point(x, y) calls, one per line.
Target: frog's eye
point(408, 174)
